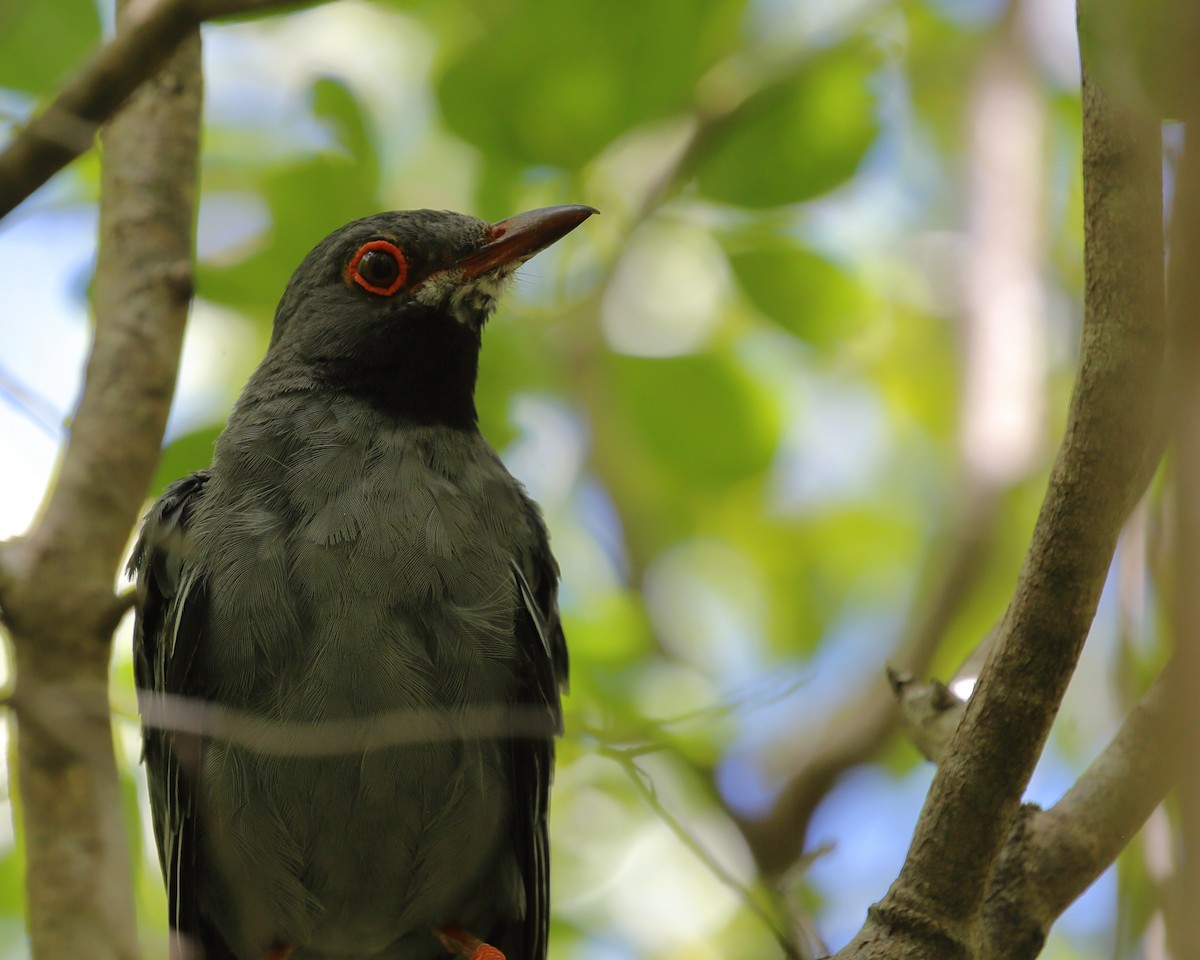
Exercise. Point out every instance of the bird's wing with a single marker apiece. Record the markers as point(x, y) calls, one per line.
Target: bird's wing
point(544, 674)
point(167, 634)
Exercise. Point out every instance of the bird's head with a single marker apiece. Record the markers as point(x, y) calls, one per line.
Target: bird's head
point(391, 307)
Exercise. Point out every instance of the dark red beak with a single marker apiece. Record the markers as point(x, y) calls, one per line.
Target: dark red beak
point(518, 238)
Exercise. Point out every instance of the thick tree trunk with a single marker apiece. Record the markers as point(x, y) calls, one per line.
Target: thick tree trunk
point(56, 582)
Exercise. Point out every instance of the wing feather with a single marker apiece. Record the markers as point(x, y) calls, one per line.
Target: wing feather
point(544, 672)
point(168, 633)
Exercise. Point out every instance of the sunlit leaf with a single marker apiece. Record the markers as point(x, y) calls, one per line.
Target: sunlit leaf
point(796, 138)
point(598, 69)
point(701, 416)
point(802, 291)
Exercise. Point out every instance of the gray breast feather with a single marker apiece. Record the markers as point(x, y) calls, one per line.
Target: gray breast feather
point(374, 566)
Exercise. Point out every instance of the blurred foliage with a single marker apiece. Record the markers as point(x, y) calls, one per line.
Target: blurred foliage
point(737, 393)
point(801, 134)
point(41, 42)
point(572, 78)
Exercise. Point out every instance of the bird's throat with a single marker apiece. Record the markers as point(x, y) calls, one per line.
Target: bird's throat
point(424, 373)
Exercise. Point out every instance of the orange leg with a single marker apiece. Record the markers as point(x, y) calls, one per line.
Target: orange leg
point(279, 952)
point(457, 940)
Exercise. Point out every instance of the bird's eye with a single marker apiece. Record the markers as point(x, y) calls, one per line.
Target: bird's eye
point(378, 267)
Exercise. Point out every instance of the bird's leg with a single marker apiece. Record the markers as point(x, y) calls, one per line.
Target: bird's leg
point(279, 952)
point(457, 940)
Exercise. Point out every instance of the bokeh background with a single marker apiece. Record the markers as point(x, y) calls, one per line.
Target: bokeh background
point(805, 372)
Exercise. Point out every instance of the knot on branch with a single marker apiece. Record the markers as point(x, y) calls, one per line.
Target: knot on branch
point(929, 711)
point(178, 278)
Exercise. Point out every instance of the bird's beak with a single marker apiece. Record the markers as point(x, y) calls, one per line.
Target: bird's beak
point(518, 238)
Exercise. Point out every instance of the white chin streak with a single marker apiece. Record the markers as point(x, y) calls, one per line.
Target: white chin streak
point(470, 302)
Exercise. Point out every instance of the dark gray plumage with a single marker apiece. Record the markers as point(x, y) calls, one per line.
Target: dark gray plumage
point(348, 650)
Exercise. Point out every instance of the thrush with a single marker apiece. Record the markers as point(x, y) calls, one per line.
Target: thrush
point(348, 648)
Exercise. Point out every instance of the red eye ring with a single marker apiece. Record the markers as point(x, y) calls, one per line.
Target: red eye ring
point(387, 282)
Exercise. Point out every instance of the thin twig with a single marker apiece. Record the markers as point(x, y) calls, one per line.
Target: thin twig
point(641, 781)
point(37, 409)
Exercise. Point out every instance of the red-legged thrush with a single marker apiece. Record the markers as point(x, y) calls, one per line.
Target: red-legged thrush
point(348, 649)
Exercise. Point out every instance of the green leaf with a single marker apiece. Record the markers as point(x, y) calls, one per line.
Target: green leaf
point(795, 138)
point(700, 416)
point(553, 83)
point(609, 629)
point(184, 455)
point(336, 104)
point(42, 40)
point(801, 291)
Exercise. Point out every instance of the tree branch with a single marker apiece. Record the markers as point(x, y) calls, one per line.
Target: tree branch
point(68, 126)
point(1184, 291)
point(1052, 856)
point(56, 582)
point(933, 908)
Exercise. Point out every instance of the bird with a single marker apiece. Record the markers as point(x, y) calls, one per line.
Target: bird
point(347, 645)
